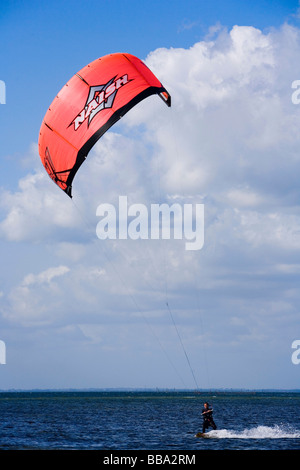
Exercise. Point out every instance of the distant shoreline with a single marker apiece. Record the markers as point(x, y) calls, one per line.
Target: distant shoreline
point(149, 390)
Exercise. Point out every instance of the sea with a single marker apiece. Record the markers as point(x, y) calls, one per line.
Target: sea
point(159, 422)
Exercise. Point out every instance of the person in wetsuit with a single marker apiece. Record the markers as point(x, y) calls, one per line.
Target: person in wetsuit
point(207, 418)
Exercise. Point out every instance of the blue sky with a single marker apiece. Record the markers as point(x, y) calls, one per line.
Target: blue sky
point(45, 43)
point(230, 141)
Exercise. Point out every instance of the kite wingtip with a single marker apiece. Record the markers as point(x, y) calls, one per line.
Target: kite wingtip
point(68, 191)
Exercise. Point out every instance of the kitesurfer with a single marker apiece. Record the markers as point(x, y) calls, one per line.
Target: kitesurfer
point(207, 418)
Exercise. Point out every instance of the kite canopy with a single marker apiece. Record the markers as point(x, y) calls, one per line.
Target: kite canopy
point(87, 106)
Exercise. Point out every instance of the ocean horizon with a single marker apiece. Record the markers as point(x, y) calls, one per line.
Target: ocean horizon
point(141, 419)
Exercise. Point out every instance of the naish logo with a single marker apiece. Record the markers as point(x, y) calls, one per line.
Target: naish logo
point(100, 97)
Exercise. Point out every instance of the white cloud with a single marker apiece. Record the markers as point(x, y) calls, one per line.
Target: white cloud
point(231, 133)
point(243, 197)
point(279, 229)
point(231, 140)
point(45, 276)
point(36, 210)
point(35, 300)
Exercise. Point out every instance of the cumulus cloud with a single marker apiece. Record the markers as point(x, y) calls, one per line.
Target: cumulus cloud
point(45, 276)
point(230, 141)
point(32, 301)
point(36, 210)
point(231, 135)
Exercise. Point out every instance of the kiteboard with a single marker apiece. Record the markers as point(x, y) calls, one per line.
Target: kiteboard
point(201, 434)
